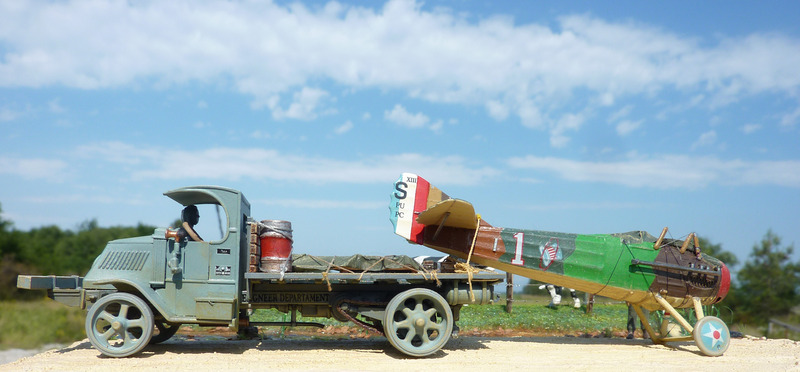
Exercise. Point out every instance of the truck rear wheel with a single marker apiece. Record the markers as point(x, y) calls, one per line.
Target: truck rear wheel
point(418, 322)
point(119, 325)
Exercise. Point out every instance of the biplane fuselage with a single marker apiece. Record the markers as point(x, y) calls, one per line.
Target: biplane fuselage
point(626, 266)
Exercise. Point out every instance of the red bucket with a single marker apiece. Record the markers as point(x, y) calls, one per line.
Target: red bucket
point(276, 245)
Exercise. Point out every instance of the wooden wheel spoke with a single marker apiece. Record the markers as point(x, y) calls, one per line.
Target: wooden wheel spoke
point(123, 310)
point(430, 313)
point(410, 334)
point(136, 323)
point(108, 334)
point(105, 315)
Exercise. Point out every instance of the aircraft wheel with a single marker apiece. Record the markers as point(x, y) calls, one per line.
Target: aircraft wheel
point(164, 331)
point(119, 325)
point(711, 336)
point(418, 322)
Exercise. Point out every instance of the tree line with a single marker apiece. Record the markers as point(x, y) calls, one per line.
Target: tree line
point(50, 250)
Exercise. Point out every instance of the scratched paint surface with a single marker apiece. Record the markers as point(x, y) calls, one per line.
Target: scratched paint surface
point(597, 258)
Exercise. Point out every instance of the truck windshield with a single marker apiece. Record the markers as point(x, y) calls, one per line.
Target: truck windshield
point(213, 222)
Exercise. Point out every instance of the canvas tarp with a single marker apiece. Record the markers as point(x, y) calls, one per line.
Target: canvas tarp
point(354, 263)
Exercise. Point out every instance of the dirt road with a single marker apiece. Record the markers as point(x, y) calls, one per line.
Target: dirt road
point(462, 354)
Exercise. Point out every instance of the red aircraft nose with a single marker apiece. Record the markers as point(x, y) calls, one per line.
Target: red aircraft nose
point(725, 283)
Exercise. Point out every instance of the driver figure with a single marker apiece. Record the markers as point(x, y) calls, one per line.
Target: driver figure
point(190, 216)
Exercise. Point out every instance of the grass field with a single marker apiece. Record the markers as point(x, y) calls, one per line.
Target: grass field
point(29, 325)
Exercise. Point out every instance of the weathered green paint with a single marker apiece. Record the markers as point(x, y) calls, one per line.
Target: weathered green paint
point(601, 258)
point(534, 244)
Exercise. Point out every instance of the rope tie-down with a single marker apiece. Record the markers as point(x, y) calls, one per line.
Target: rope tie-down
point(466, 267)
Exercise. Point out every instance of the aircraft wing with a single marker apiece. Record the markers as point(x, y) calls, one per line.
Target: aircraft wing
point(451, 213)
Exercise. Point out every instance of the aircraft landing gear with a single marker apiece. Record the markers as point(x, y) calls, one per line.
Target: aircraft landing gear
point(710, 333)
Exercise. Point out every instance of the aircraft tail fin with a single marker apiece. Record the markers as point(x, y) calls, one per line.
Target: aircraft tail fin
point(415, 203)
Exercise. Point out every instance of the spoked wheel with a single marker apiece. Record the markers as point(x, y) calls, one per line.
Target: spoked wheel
point(711, 336)
point(163, 331)
point(418, 322)
point(119, 325)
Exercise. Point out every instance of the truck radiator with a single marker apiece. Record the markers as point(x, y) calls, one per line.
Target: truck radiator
point(125, 260)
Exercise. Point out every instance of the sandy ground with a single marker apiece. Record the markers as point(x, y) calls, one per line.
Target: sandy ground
point(11, 355)
point(461, 354)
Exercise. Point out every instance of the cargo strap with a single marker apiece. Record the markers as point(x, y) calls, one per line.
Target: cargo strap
point(330, 266)
point(424, 272)
point(466, 267)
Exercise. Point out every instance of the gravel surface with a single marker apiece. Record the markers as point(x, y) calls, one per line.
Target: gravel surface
point(462, 354)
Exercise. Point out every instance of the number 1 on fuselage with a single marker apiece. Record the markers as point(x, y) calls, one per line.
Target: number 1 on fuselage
point(520, 239)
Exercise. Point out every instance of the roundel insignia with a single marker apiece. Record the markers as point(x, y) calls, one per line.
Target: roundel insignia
point(711, 336)
point(550, 253)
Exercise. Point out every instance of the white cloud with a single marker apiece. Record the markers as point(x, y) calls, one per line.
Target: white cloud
point(790, 119)
point(621, 113)
point(750, 128)
point(268, 50)
point(437, 126)
point(202, 104)
point(12, 112)
point(582, 205)
point(568, 122)
point(344, 128)
point(530, 115)
point(7, 114)
point(321, 204)
point(258, 134)
point(82, 199)
point(497, 110)
point(559, 140)
point(400, 116)
point(55, 106)
point(34, 168)
point(667, 171)
point(606, 99)
point(706, 139)
point(303, 106)
point(626, 127)
point(231, 164)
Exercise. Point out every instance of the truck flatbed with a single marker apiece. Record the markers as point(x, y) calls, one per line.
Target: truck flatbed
point(370, 277)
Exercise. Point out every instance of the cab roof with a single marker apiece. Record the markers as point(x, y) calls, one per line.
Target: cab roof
point(201, 194)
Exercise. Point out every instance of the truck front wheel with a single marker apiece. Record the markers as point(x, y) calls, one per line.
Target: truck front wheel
point(119, 325)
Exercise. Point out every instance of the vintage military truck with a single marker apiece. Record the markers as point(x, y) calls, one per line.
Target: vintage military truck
point(140, 290)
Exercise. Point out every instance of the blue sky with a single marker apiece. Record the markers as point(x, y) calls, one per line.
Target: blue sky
point(582, 117)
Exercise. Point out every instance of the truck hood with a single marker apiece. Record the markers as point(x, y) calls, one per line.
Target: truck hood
point(137, 240)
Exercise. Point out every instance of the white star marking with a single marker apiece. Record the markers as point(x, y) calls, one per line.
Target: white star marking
point(715, 335)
